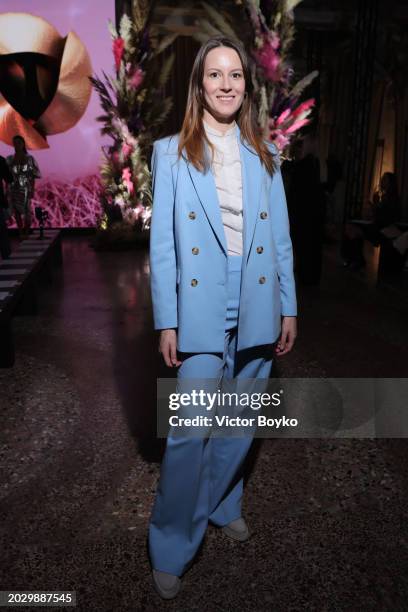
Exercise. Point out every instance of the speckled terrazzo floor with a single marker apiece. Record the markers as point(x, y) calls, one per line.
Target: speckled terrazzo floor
point(80, 462)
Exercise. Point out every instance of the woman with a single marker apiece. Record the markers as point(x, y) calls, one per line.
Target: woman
point(221, 279)
point(25, 170)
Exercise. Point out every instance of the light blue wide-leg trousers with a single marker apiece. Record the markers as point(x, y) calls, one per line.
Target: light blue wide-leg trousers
point(200, 478)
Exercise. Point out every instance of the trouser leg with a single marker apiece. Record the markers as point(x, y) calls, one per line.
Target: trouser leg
point(251, 370)
point(180, 512)
point(197, 474)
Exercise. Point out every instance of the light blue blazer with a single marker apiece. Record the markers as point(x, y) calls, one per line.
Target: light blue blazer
point(188, 252)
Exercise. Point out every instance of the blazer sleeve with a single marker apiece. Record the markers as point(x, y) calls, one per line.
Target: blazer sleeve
point(281, 234)
point(162, 241)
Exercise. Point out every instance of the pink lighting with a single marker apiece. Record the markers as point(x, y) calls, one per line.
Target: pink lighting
point(69, 189)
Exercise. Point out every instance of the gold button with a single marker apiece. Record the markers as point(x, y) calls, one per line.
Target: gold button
point(194, 282)
point(195, 250)
point(192, 215)
point(262, 280)
point(259, 249)
point(263, 215)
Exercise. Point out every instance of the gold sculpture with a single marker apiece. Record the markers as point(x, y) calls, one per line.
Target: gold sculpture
point(44, 79)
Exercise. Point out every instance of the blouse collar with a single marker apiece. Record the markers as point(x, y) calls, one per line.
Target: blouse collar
point(211, 130)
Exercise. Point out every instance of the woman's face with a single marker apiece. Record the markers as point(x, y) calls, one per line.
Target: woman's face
point(223, 82)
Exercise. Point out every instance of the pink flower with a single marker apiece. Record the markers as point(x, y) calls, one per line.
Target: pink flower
point(136, 78)
point(127, 179)
point(279, 139)
point(275, 41)
point(138, 211)
point(297, 125)
point(118, 50)
point(303, 108)
point(268, 58)
point(283, 116)
point(126, 149)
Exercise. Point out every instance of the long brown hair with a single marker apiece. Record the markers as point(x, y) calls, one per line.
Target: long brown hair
point(192, 134)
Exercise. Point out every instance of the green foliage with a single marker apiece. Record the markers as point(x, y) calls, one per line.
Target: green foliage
point(219, 21)
point(303, 83)
point(166, 71)
point(165, 42)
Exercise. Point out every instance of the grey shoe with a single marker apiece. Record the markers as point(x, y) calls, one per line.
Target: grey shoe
point(167, 585)
point(237, 530)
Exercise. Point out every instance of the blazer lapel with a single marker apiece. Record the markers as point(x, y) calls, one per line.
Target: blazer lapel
point(251, 191)
point(206, 190)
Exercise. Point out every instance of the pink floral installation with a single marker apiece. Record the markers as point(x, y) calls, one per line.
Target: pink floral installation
point(133, 106)
point(281, 114)
point(133, 110)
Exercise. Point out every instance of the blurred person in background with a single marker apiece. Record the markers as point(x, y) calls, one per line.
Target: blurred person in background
point(24, 170)
point(384, 214)
point(306, 205)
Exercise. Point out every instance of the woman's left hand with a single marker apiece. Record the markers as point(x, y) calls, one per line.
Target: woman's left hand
point(288, 335)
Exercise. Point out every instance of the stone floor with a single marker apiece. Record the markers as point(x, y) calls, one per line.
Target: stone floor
point(80, 461)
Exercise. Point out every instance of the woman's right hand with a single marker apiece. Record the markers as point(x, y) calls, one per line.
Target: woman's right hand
point(168, 347)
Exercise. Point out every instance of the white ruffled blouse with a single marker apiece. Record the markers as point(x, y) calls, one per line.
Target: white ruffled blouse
point(227, 171)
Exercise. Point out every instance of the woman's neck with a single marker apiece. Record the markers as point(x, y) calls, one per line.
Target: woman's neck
point(221, 126)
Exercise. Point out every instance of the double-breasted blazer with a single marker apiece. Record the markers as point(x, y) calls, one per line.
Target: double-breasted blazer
point(189, 258)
